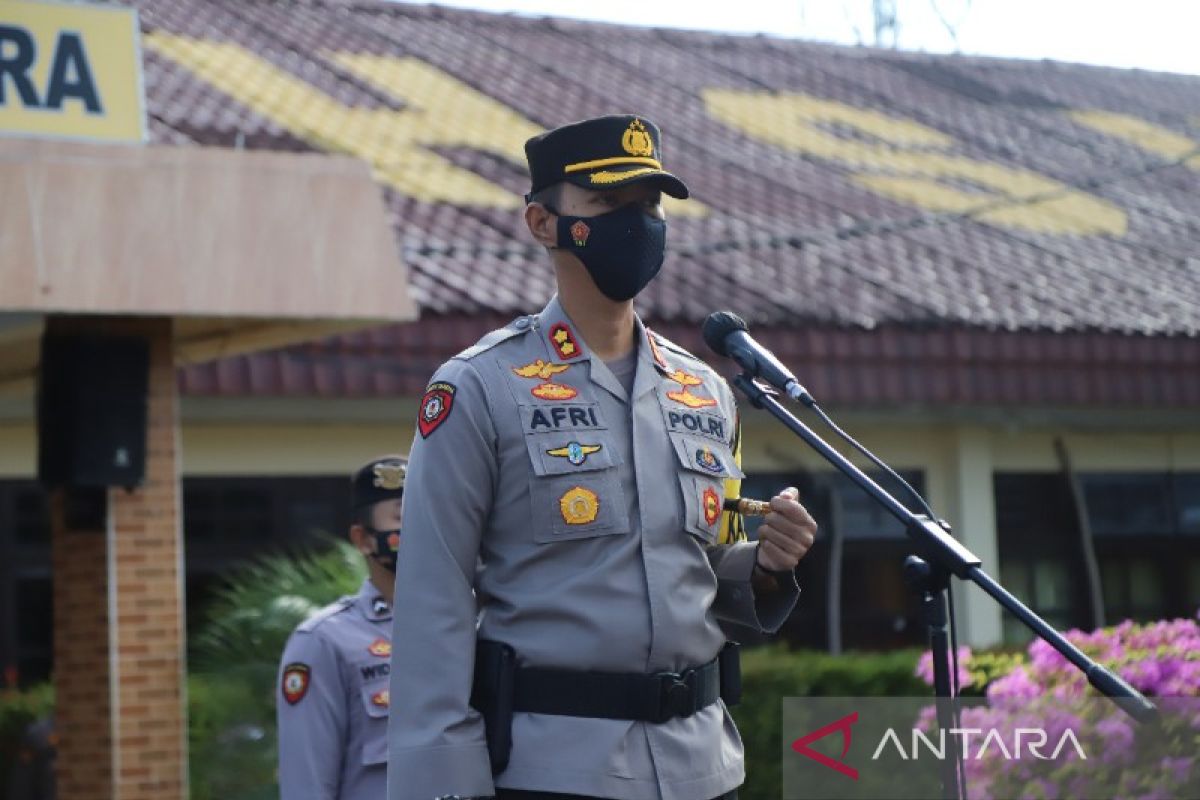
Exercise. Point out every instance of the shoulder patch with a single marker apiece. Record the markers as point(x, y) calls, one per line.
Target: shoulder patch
point(295, 681)
point(336, 607)
point(436, 406)
point(517, 327)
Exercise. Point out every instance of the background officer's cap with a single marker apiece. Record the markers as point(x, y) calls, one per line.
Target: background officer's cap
point(599, 154)
point(379, 479)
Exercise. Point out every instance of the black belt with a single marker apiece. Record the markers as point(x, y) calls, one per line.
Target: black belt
point(633, 696)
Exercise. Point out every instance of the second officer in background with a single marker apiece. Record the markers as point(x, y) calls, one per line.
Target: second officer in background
point(332, 701)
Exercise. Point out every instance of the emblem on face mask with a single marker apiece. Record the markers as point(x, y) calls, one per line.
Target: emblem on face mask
point(541, 370)
point(389, 476)
point(579, 233)
point(554, 391)
point(381, 699)
point(564, 341)
point(707, 460)
point(636, 140)
point(435, 407)
point(295, 682)
point(712, 506)
point(575, 452)
point(380, 647)
point(579, 506)
point(690, 400)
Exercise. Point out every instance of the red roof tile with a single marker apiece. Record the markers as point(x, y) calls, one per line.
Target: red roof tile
point(796, 240)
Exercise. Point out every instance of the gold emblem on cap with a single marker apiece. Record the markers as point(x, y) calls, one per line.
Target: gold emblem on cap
point(636, 140)
point(389, 476)
point(579, 506)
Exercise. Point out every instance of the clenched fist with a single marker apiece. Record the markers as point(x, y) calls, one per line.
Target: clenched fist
point(786, 533)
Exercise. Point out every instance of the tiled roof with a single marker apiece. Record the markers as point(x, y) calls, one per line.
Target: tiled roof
point(839, 189)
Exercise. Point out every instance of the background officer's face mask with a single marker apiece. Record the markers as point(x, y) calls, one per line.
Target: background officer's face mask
point(386, 545)
point(622, 250)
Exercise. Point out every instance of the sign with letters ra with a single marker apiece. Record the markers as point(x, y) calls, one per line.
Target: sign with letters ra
point(70, 71)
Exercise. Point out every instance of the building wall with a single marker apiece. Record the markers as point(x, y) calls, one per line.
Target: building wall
point(957, 453)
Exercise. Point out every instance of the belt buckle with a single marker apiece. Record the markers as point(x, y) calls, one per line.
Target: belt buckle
point(677, 695)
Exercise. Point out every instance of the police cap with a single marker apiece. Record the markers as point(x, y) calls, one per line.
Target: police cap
point(601, 153)
point(379, 479)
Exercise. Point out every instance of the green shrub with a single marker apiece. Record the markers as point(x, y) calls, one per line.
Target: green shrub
point(772, 673)
point(234, 660)
point(18, 710)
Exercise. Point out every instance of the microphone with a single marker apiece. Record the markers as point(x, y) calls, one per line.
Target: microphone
point(726, 335)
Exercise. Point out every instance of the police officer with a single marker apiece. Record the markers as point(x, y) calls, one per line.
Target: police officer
point(333, 700)
point(569, 477)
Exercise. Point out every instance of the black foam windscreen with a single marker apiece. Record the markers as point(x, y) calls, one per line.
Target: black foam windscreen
point(717, 328)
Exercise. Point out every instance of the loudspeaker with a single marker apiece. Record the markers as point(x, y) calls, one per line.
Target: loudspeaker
point(91, 409)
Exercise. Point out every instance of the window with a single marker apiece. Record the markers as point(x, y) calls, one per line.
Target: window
point(1039, 549)
point(1146, 536)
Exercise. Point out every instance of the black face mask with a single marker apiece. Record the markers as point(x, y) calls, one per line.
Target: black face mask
point(386, 545)
point(622, 250)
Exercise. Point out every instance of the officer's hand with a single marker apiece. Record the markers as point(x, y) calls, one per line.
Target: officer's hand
point(786, 533)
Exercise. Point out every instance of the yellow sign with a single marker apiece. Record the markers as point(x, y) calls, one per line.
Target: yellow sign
point(915, 164)
point(69, 70)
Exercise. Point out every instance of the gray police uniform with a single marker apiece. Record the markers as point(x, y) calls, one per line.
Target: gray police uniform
point(595, 519)
point(333, 700)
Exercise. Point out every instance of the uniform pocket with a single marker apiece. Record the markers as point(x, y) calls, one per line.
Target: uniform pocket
point(577, 506)
point(376, 699)
point(704, 467)
point(564, 453)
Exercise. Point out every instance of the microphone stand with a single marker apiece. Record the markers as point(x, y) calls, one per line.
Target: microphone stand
point(940, 555)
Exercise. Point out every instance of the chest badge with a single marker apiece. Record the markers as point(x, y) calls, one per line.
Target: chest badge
point(707, 460)
point(540, 369)
point(712, 506)
point(575, 452)
point(686, 398)
point(296, 678)
point(381, 699)
point(564, 342)
point(554, 391)
point(380, 647)
point(684, 395)
point(579, 506)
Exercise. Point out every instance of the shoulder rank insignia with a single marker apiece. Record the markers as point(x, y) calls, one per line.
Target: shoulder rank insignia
point(690, 400)
point(654, 351)
point(579, 506)
point(554, 391)
point(541, 370)
point(435, 407)
point(564, 342)
point(380, 647)
point(295, 682)
point(712, 506)
point(575, 452)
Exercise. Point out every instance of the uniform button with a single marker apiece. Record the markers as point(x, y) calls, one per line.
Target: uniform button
point(522, 323)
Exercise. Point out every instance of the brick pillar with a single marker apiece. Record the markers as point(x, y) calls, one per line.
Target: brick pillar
point(118, 611)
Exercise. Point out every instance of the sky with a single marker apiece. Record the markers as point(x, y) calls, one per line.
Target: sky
point(1147, 34)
